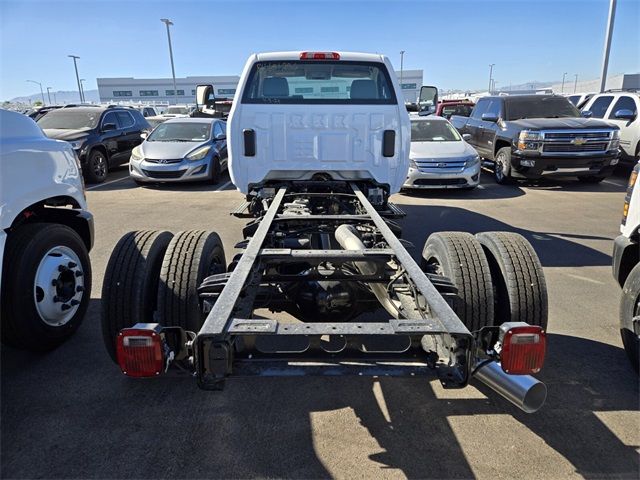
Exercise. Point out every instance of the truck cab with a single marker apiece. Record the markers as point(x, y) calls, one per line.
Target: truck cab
point(318, 115)
point(46, 233)
point(531, 136)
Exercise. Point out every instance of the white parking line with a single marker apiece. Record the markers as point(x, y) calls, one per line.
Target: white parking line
point(613, 183)
point(223, 186)
point(108, 183)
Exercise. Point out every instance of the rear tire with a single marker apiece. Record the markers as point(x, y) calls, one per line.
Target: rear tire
point(130, 288)
point(518, 279)
point(46, 286)
point(629, 308)
point(459, 256)
point(190, 258)
point(97, 167)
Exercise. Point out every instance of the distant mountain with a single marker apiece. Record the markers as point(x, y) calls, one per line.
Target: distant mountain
point(60, 97)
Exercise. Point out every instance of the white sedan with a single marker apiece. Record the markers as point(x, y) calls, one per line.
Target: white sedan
point(440, 157)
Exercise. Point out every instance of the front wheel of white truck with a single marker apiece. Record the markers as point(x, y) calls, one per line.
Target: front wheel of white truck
point(46, 286)
point(630, 317)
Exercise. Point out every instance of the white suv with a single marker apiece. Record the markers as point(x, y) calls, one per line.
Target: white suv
point(46, 233)
point(620, 108)
point(318, 115)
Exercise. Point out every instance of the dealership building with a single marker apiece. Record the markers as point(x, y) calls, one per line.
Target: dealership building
point(160, 90)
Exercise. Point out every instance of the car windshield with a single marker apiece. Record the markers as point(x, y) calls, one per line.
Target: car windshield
point(319, 82)
point(433, 131)
point(70, 120)
point(178, 110)
point(542, 107)
point(181, 132)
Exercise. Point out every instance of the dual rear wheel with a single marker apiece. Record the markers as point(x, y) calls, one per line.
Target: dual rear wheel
point(153, 276)
point(498, 275)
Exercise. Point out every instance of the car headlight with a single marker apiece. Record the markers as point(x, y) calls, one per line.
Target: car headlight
point(199, 153)
point(529, 140)
point(614, 143)
point(136, 154)
point(472, 161)
point(77, 144)
point(412, 163)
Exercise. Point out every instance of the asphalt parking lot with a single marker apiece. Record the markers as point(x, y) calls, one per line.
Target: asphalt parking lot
point(71, 414)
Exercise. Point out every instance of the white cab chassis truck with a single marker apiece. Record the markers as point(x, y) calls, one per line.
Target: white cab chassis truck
point(46, 233)
point(318, 141)
point(626, 270)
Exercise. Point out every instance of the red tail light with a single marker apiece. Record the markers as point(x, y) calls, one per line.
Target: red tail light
point(319, 56)
point(523, 348)
point(140, 350)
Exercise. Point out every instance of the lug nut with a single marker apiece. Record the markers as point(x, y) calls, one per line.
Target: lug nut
point(56, 299)
point(72, 265)
point(65, 307)
point(54, 282)
point(74, 302)
point(78, 273)
point(79, 289)
point(62, 268)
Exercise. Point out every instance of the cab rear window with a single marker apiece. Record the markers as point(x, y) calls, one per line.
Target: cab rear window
point(319, 82)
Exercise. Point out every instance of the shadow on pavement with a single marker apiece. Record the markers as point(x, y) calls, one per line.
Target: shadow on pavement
point(71, 413)
point(554, 249)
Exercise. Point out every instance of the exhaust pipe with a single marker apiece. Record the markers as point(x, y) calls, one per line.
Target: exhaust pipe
point(348, 238)
point(524, 391)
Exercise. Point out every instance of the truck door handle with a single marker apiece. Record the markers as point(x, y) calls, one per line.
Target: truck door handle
point(389, 143)
point(249, 142)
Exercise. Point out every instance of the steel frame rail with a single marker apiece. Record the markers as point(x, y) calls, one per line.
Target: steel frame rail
point(219, 345)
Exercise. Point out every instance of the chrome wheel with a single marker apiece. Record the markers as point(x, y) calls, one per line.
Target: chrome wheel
point(500, 167)
point(58, 286)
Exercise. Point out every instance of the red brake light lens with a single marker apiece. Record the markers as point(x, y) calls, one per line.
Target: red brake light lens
point(140, 352)
point(523, 350)
point(319, 56)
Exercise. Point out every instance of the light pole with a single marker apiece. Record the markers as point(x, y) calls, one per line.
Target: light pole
point(575, 84)
point(401, 68)
point(607, 45)
point(75, 57)
point(82, 88)
point(49, 95)
point(563, 77)
point(168, 22)
point(41, 92)
point(491, 65)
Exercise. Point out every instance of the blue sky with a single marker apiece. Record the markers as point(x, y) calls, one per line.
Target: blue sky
point(452, 41)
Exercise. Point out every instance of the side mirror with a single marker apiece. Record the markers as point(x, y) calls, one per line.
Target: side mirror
point(489, 117)
point(587, 113)
point(220, 136)
point(624, 114)
point(144, 135)
point(466, 137)
point(108, 126)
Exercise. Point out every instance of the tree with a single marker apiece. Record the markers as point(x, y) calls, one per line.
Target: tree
point(37, 103)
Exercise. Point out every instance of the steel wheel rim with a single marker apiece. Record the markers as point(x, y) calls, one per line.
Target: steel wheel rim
point(58, 286)
point(99, 166)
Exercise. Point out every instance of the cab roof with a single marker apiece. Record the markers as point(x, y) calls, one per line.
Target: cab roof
point(295, 55)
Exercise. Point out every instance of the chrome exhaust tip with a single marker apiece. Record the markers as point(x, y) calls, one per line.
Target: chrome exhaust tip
point(524, 391)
